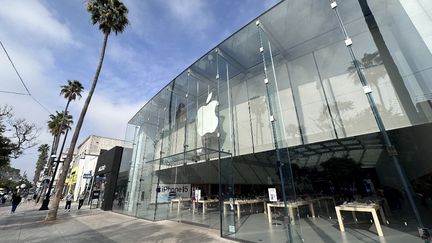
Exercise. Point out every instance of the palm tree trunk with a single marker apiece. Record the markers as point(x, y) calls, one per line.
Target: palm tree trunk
point(47, 171)
point(54, 149)
point(64, 112)
point(52, 213)
point(55, 144)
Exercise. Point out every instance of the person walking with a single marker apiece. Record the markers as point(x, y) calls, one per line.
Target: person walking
point(69, 198)
point(81, 200)
point(4, 198)
point(16, 199)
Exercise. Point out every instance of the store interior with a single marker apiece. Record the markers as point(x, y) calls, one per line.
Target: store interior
point(349, 172)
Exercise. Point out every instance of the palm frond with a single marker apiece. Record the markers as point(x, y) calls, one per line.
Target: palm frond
point(111, 15)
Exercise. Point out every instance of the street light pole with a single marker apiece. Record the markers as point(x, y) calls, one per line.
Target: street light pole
point(45, 202)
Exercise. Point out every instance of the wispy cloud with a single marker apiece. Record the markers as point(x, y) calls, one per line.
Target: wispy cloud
point(33, 19)
point(192, 14)
point(107, 116)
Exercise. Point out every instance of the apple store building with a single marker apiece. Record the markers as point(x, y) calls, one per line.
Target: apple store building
point(313, 123)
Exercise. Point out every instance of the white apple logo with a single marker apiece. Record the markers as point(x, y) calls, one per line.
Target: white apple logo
point(207, 120)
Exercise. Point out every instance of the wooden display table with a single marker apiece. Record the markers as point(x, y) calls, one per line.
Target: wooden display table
point(291, 206)
point(361, 207)
point(239, 203)
point(179, 202)
point(324, 199)
point(204, 203)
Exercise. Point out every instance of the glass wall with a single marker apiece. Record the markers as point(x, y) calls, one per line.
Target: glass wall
point(310, 124)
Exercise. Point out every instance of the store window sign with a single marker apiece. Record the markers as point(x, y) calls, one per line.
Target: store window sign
point(95, 194)
point(272, 194)
point(207, 120)
point(231, 228)
point(197, 194)
point(101, 168)
point(166, 192)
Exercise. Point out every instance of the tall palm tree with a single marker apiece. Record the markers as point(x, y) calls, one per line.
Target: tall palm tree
point(111, 16)
point(41, 162)
point(70, 92)
point(58, 124)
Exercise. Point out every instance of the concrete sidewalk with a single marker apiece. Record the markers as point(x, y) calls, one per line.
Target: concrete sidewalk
point(85, 225)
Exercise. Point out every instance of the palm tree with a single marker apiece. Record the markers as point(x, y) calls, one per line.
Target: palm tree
point(71, 91)
point(41, 162)
point(111, 15)
point(57, 125)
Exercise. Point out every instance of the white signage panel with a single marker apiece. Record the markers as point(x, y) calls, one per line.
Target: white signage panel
point(197, 194)
point(272, 194)
point(170, 191)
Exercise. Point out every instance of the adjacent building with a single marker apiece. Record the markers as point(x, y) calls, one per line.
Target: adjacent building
point(84, 162)
point(310, 124)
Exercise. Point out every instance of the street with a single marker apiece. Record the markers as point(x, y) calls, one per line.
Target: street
point(85, 225)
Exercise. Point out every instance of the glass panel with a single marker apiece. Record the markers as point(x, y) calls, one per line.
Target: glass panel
point(225, 72)
point(229, 224)
point(312, 109)
point(293, 134)
point(262, 137)
point(393, 47)
point(348, 104)
point(121, 193)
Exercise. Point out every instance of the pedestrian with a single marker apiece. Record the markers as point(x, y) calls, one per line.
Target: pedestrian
point(16, 199)
point(81, 200)
point(69, 198)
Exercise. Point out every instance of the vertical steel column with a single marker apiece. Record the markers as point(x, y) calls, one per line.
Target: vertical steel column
point(158, 178)
point(160, 164)
point(221, 203)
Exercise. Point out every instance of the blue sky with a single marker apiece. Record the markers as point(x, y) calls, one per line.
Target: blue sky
point(53, 41)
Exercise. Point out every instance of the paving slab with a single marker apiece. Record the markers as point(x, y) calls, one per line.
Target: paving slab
point(93, 225)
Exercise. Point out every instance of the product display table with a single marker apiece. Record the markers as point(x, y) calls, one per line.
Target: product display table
point(325, 200)
point(381, 201)
point(361, 207)
point(204, 204)
point(241, 202)
point(179, 202)
point(291, 206)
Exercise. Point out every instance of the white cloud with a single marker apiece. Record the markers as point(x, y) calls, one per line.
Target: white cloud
point(120, 52)
point(192, 13)
point(33, 19)
point(106, 116)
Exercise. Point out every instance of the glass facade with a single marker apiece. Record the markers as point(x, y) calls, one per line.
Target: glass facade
point(310, 124)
